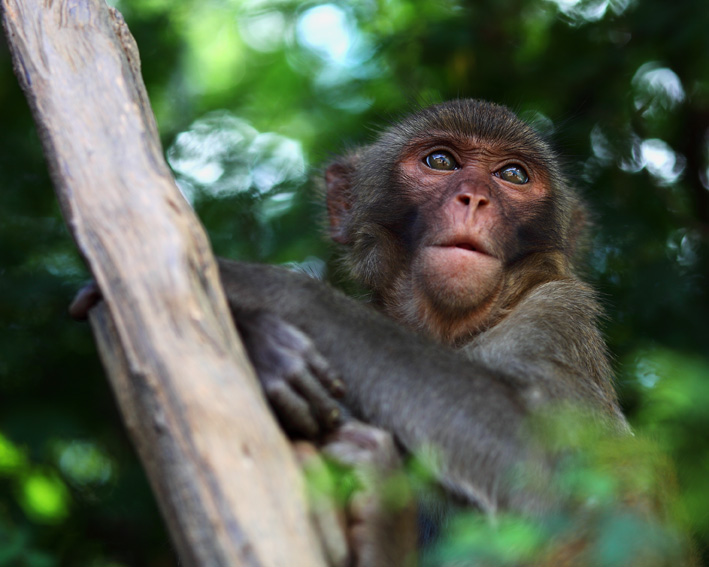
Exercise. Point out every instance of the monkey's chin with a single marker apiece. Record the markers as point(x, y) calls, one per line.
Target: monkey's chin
point(458, 279)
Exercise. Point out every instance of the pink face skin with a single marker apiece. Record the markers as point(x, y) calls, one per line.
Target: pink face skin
point(469, 193)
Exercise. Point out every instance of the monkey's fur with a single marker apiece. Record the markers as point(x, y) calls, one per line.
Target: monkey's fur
point(438, 369)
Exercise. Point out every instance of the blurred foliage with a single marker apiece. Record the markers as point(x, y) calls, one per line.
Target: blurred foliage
point(252, 96)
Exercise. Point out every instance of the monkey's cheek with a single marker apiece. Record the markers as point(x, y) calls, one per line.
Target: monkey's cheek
point(458, 276)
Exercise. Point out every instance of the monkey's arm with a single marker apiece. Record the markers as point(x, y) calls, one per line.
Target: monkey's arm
point(429, 396)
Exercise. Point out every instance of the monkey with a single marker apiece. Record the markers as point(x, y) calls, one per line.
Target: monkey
point(460, 223)
point(462, 227)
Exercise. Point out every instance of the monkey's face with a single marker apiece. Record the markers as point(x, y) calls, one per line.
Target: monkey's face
point(451, 215)
point(470, 200)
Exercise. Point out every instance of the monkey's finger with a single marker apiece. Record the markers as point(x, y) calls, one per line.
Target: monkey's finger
point(372, 452)
point(324, 373)
point(322, 406)
point(85, 299)
point(292, 410)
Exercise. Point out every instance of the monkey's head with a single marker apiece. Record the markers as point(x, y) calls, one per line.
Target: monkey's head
point(453, 215)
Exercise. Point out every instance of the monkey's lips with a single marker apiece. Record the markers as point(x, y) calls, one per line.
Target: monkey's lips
point(466, 246)
point(462, 258)
point(462, 244)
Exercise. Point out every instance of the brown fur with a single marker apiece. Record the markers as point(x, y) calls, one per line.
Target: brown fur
point(529, 340)
point(480, 320)
point(370, 196)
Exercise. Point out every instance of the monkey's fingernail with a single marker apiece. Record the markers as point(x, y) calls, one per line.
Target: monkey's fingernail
point(335, 416)
point(338, 388)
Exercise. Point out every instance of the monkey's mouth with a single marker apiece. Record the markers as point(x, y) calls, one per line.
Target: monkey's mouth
point(463, 244)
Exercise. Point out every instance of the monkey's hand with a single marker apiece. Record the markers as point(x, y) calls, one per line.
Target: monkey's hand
point(297, 380)
point(380, 513)
point(85, 299)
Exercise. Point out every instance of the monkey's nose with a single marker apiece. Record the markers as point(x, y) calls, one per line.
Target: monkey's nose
point(467, 199)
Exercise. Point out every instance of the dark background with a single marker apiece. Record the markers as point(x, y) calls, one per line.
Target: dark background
point(251, 97)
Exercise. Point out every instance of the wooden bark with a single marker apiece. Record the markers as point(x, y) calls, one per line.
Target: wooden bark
point(224, 476)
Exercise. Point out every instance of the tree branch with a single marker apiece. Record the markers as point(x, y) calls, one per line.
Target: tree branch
point(225, 477)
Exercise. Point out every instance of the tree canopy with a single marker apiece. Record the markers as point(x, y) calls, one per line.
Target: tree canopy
point(252, 97)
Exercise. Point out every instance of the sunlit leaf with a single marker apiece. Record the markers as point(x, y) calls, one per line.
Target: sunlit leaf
point(44, 497)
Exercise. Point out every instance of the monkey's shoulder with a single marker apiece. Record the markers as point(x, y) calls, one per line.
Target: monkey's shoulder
point(551, 340)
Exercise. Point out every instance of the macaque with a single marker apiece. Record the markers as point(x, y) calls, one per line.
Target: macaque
point(461, 225)
point(463, 229)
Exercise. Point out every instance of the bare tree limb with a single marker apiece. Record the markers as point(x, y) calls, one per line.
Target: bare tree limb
point(225, 477)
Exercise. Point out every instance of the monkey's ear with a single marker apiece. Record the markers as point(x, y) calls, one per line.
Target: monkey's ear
point(338, 184)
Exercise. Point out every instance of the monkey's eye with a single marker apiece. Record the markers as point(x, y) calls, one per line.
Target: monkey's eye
point(441, 160)
point(514, 174)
